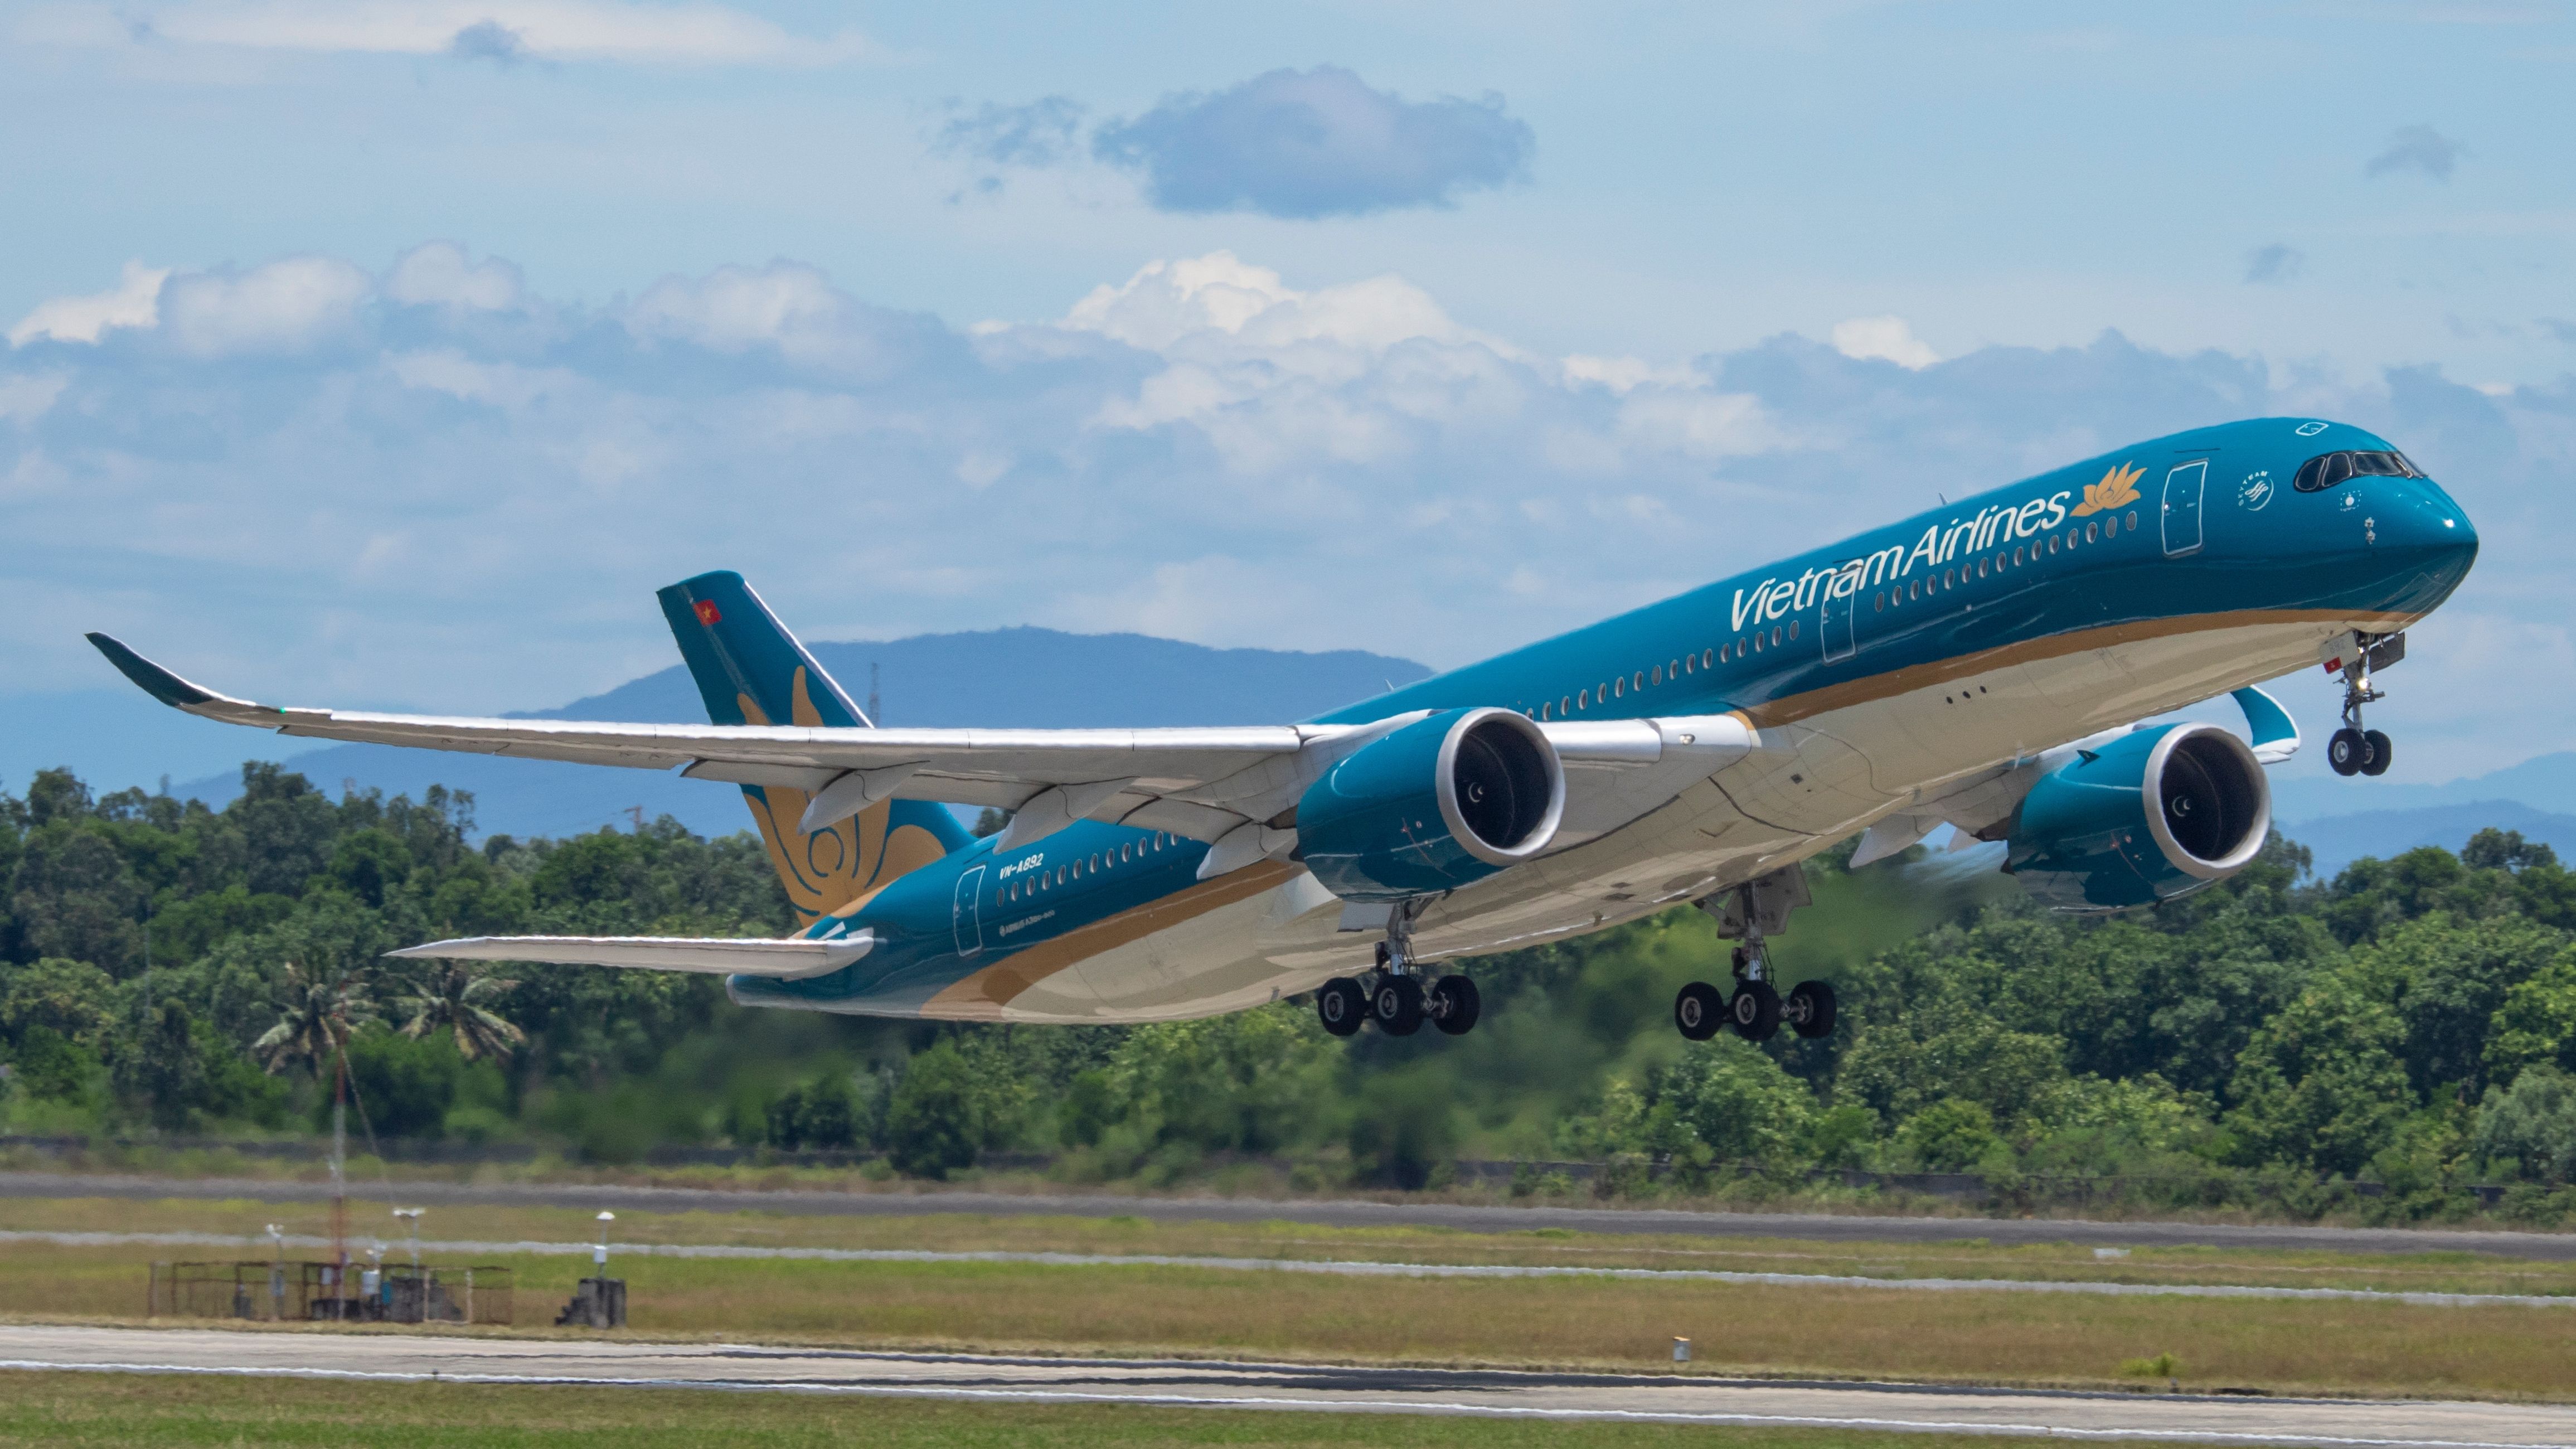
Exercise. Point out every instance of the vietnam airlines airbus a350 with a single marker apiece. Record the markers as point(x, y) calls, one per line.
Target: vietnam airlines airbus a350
point(1983, 665)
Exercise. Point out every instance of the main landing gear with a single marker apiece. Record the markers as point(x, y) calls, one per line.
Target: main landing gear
point(1756, 1010)
point(1394, 995)
point(2353, 750)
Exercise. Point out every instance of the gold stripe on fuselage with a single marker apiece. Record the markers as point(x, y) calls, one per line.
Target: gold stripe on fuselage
point(984, 994)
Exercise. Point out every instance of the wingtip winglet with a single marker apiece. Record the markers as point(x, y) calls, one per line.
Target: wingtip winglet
point(154, 680)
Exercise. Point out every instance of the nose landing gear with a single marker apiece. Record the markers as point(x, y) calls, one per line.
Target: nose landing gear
point(2354, 750)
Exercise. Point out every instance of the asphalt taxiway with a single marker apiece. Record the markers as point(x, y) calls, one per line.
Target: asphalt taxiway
point(1674, 1398)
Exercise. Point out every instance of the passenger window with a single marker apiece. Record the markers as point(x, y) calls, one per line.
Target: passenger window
point(1618, 689)
point(1949, 578)
point(2133, 520)
point(2091, 534)
point(2016, 558)
point(1793, 629)
point(1583, 700)
point(1882, 601)
point(1565, 705)
point(1708, 657)
point(1757, 643)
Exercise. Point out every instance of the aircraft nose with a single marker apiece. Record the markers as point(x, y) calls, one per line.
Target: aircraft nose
point(2427, 535)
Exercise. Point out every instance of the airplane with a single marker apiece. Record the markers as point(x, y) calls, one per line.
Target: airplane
point(1986, 665)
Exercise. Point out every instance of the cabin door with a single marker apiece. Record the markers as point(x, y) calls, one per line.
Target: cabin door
point(1836, 625)
point(2182, 506)
point(970, 912)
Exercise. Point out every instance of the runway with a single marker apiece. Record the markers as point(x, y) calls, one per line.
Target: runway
point(1289, 1387)
point(1345, 1212)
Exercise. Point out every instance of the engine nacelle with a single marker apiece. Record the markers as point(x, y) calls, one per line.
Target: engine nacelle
point(1439, 803)
point(2153, 815)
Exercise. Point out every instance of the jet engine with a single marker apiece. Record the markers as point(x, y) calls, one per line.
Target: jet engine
point(1444, 801)
point(2153, 815)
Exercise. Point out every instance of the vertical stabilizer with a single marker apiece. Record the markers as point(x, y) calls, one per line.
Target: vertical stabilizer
point(750, 670)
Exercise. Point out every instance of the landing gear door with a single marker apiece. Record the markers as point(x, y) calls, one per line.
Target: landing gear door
point(970, 912)
point(2183, 487)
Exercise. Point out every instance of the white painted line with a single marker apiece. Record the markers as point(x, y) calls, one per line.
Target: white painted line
point(257, 1248)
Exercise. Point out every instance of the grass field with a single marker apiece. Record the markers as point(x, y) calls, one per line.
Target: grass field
point(1626, 1324)
point(121, 1409)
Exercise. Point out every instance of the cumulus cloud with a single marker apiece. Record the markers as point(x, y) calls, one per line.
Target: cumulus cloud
point(1889, 339)
point(489, 40)
point(1041, 133)
point(135, 301)
point(496, 30)
point(437, 274)
point(285, 306)
point(2419, 149)
point(1316, 143)
point(1205, 448)
point(2276, 262)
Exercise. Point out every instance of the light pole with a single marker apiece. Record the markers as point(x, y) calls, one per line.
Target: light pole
point(411, 1218)
point(277, 1271)
point(599, 1255)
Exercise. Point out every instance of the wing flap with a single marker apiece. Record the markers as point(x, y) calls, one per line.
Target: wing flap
point(712, 956)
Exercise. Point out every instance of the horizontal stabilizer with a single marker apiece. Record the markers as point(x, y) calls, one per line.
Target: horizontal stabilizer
point(712, 956)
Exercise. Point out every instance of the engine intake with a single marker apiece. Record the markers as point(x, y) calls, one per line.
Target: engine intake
point(1444, 801)
point(2157, 814)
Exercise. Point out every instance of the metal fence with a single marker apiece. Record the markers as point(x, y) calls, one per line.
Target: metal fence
point(281, 1292)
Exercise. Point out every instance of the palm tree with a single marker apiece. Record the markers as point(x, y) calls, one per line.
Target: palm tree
point(315, 1016)
point(454, 998)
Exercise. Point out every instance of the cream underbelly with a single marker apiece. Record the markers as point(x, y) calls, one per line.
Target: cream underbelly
point(1841, 771)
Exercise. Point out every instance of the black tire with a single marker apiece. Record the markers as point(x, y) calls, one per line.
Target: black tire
point(1455, 1005)
point(1341, 1005)
point(1810, 1009)
point(1397, 1006)
point(2382, 751)
point(1755, 1011)
point(2347, 751)
point(1699, 1011)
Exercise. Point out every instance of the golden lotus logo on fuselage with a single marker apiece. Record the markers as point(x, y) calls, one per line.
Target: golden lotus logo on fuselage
point(2118, 489)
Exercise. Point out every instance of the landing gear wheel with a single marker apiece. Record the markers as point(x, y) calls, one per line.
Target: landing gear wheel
point(2347, 751)
point(1342, 1005)
point(1397, 1006)
point(2381, 753)
point(1755, 1011)
point(1810, 1009)
point(1699, 1011)
point(1454, 1005)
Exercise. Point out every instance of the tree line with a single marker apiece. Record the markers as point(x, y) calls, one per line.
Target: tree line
point(166, 967)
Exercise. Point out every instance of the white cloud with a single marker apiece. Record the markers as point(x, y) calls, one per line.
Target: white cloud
point(792, 308)
point(1884, 338)
point(25, 398)
point(135, 302)
point(285, 306)
point(572, 30)
point(1200, 450)
point(438, 274)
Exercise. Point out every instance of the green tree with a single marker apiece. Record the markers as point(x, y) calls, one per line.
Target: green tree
point(943, 1115)
point(1951, 1135)
point(2529, 1128)
point(316, 1014)
point(1736, 1101)
point(456, 998)
point(2321, 1084)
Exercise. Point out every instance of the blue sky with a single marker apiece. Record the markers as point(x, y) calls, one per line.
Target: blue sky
point(391, 353)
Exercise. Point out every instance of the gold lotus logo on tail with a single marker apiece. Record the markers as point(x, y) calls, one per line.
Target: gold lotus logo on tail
point(832, 869)
point(2118, 489)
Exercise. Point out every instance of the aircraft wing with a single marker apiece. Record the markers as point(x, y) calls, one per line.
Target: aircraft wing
point(1223, 785)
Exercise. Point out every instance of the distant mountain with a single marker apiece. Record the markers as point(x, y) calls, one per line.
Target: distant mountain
point(1031, 678)
point(2343, 820)
point(2543, 782)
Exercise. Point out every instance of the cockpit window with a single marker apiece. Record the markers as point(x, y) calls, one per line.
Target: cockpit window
point(2328, 469)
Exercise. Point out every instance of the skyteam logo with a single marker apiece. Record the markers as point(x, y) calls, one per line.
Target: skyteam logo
point(2255, 491)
